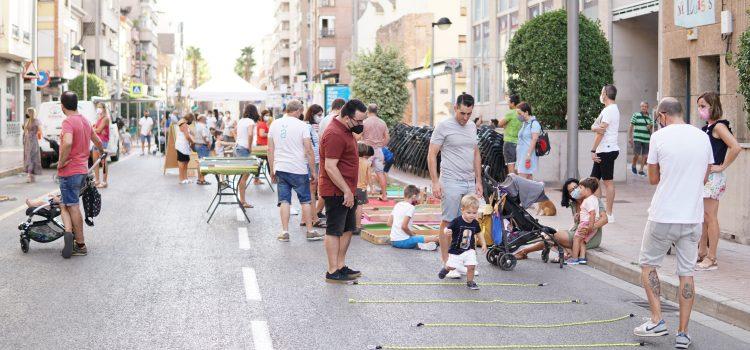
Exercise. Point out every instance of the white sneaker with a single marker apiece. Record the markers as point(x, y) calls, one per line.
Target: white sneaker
point(427, 246)
point(650, 329)
point(462, 270)
point(453, 274)
point(611, 219)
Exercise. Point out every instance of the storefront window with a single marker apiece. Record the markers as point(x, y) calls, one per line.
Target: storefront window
point(11, 90)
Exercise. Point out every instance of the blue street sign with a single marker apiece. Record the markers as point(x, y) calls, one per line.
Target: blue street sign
point(42, 79)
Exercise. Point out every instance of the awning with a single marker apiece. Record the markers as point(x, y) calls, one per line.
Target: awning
point(441, 68)
point(228, 88)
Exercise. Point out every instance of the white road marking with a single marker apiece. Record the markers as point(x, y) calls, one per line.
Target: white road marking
point(243, 238)
point(240, 215)
point(252, 292)
point(261, 335)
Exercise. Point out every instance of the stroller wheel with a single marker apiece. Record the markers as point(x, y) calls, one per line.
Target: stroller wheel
point(507, 261)
point(545, 255)
point(491, 257)
point(24, 245)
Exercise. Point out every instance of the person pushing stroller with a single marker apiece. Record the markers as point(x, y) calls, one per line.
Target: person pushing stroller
point(464, 230)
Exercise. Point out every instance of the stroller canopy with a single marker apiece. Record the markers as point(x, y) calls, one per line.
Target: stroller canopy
point(527, 191)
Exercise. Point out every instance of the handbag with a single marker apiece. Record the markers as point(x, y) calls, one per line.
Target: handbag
point(543, 146)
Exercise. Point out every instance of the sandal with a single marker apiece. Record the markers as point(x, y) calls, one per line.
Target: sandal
point(708, 264)
point(247, 205)
point(556, 260)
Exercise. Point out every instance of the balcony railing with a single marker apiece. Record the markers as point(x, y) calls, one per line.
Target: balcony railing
point(327, 64)
point(327, 32)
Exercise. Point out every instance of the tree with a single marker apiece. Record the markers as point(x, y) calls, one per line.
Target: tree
point(244, 64)
point(743, 69)
point(537, 67)
point(197, 62)
point(380, 77)
point(95, 86)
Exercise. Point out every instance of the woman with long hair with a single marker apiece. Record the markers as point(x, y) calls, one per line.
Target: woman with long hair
point(725, 149)
point(526, 158)
point(313, 116)
point(244, 135)
point(32, 159)
point(184, 144)
point(101, 128)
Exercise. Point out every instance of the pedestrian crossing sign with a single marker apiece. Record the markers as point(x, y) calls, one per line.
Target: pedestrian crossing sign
point(138, 90)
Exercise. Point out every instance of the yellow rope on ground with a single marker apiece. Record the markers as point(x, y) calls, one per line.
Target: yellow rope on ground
point(501, 325)
point(461, 301)
point(517, 346)
point(463, 284)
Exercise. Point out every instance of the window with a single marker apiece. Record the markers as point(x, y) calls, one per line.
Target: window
point(11, 89)
point(505, 5)
point(327, 58)
point(590, 8)
point(485, 95)
point(486, 39)
point(539, 8)
point(476, 82)
point(327, 26)
point(476, 43)
point(479, 10)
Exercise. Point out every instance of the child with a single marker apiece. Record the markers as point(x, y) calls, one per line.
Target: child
point(125, 137)
point(588, 214)
point(464, 230)
point(402, 235)
point(33, 204)
point(220, 143)
point(363, 181)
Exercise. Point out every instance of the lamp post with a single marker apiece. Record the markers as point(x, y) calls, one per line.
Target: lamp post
point(79, 51)
point(443, 24)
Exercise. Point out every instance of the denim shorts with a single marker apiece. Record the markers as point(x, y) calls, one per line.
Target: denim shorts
point(453, 191)
point(287, 182)
point(145, 138)
point(202, 150)
point(240, 151)
point(409, 243)
point(70, 188)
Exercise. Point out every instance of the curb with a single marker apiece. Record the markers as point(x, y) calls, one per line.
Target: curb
point(706, 302)
point(11, 171)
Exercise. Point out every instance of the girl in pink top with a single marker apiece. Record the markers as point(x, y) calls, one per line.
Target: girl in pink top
point(101, 128)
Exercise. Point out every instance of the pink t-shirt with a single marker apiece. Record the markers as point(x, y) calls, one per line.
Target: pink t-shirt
point(375, 132)
point(81, 130)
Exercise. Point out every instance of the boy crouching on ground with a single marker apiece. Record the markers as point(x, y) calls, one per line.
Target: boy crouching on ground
point(400, 221)
point(464, 231)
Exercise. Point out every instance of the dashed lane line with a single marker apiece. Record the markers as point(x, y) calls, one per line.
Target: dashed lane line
point(252, 291)
point(261, 335)
point(244, 240)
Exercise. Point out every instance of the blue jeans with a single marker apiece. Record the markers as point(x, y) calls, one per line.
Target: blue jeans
point(70, 188)
point(286, 182)
point(202, 150)
point(409, 243)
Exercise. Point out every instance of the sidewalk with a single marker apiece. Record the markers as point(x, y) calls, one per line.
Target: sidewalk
point(11, 161)
point(722, 294)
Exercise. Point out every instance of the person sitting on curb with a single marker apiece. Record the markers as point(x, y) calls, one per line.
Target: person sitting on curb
point(400, 221)
point(565, 237)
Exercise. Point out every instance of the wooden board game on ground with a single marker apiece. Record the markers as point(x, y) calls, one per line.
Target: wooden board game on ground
point(380, 233)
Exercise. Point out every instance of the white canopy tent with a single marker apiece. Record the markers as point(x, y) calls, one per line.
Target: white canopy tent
point(228, 88)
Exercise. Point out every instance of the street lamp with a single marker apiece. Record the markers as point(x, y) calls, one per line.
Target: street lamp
point(79, 51)
point(443, 23)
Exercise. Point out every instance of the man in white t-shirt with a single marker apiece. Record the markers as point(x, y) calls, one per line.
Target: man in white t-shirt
point(145, 127)
point(402, 234)
point(679, 161)
point(336, 106)
point(244, 134)
point(289, 152)
point(605, 149)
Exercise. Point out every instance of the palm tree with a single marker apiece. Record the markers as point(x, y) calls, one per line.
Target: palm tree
point(244, 64)
point(195, 58)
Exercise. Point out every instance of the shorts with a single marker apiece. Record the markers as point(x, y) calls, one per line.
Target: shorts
point(509, 152)
point(145, 138)
point(378, 160)
point(588, 236)
point(605, 169)
point(339, 218)
point(182, 157)
point(467, 258)
point(409, 243)
point(361, 196)
point(105, 145)
point(240, 151)
point(453, 191)
point(716, 186)
point(640, 148)
point(70, 188)
point(287, 182)
point(659, 237)
point(202, 150)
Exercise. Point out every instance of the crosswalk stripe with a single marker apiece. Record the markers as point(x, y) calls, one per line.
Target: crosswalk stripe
point(252, 292)
point(243, 238)
point(261, 335)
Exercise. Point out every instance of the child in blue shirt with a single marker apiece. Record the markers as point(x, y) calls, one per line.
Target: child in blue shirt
point(464, 231)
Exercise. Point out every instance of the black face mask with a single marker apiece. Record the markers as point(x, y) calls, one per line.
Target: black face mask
point(357, 129)
point(190, 122)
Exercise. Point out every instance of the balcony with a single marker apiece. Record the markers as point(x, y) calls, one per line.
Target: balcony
point(327, 32)
point(326, 64)
point(106, 53)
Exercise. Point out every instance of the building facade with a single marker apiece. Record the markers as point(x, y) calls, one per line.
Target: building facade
point(280, 53)
point(100, 39)
point(332, 24)
point(145, 18)
point(16, 39)
point(60, 28)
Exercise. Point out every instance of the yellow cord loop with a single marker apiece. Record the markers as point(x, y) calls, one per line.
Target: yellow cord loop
point(462, 284)
point(501, 325)
point(466, 301)
point(518, 346)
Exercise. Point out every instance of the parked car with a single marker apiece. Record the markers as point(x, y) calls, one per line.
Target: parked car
point(51, 118)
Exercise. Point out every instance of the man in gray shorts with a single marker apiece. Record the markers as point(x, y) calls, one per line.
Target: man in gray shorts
point(678, 163)
point(460, 164)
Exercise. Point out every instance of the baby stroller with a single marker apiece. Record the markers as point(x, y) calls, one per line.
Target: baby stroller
point(511, 198)
point(44, 223)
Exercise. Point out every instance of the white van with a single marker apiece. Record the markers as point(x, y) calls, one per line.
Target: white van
point(51, 118)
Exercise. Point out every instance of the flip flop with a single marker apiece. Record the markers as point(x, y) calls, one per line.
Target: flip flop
point(247, 205)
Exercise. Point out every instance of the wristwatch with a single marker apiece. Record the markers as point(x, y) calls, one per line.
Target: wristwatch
point(593, 151)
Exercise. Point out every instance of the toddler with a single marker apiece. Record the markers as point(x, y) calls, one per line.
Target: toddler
point(400, 221)
point(363, 181)
point(587, 215)
point(464, 231)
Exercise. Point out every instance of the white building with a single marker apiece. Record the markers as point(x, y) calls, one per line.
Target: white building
point(16, 38)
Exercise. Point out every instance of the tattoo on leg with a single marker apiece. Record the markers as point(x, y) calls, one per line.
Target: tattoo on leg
point(653, 283)
point(687, 291)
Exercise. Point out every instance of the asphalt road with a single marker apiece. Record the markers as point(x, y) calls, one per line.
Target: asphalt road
point(158, 276)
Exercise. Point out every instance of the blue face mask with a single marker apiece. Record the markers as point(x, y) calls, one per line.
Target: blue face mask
point(576, 194)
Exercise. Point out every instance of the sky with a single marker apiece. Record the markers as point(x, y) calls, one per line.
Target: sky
point(220, 28)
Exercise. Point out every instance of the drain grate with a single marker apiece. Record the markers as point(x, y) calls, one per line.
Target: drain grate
point(665, 308)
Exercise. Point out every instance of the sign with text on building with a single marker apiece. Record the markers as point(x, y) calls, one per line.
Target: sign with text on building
point(334, 91)
point(694, 13)
point(138, 90)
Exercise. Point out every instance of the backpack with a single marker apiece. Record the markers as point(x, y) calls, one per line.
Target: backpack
point(387, 155)
point(543, 146)
point(92, 203)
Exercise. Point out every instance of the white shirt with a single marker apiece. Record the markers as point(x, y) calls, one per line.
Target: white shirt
point(324, 123)
point(243, 133)
point(611, 116)
point(181, 141)
point(400, 211)
point(288, 134)
point(683, 153)
point(211, 122)
point(146, 123)
point(201, 133)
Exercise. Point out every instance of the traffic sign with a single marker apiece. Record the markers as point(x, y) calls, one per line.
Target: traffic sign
point(43, 79)
point(29, 71)
point(138, 90)
point(452, 63)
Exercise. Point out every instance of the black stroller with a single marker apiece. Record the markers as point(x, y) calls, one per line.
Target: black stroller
point(512, 197)
point(44, 223)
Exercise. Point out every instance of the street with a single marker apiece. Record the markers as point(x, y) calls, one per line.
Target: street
point(158, 276)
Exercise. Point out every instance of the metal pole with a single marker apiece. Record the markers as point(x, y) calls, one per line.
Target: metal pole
point(572, 8)
point(432, 78)
point(85, 78)
point(453, 87)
